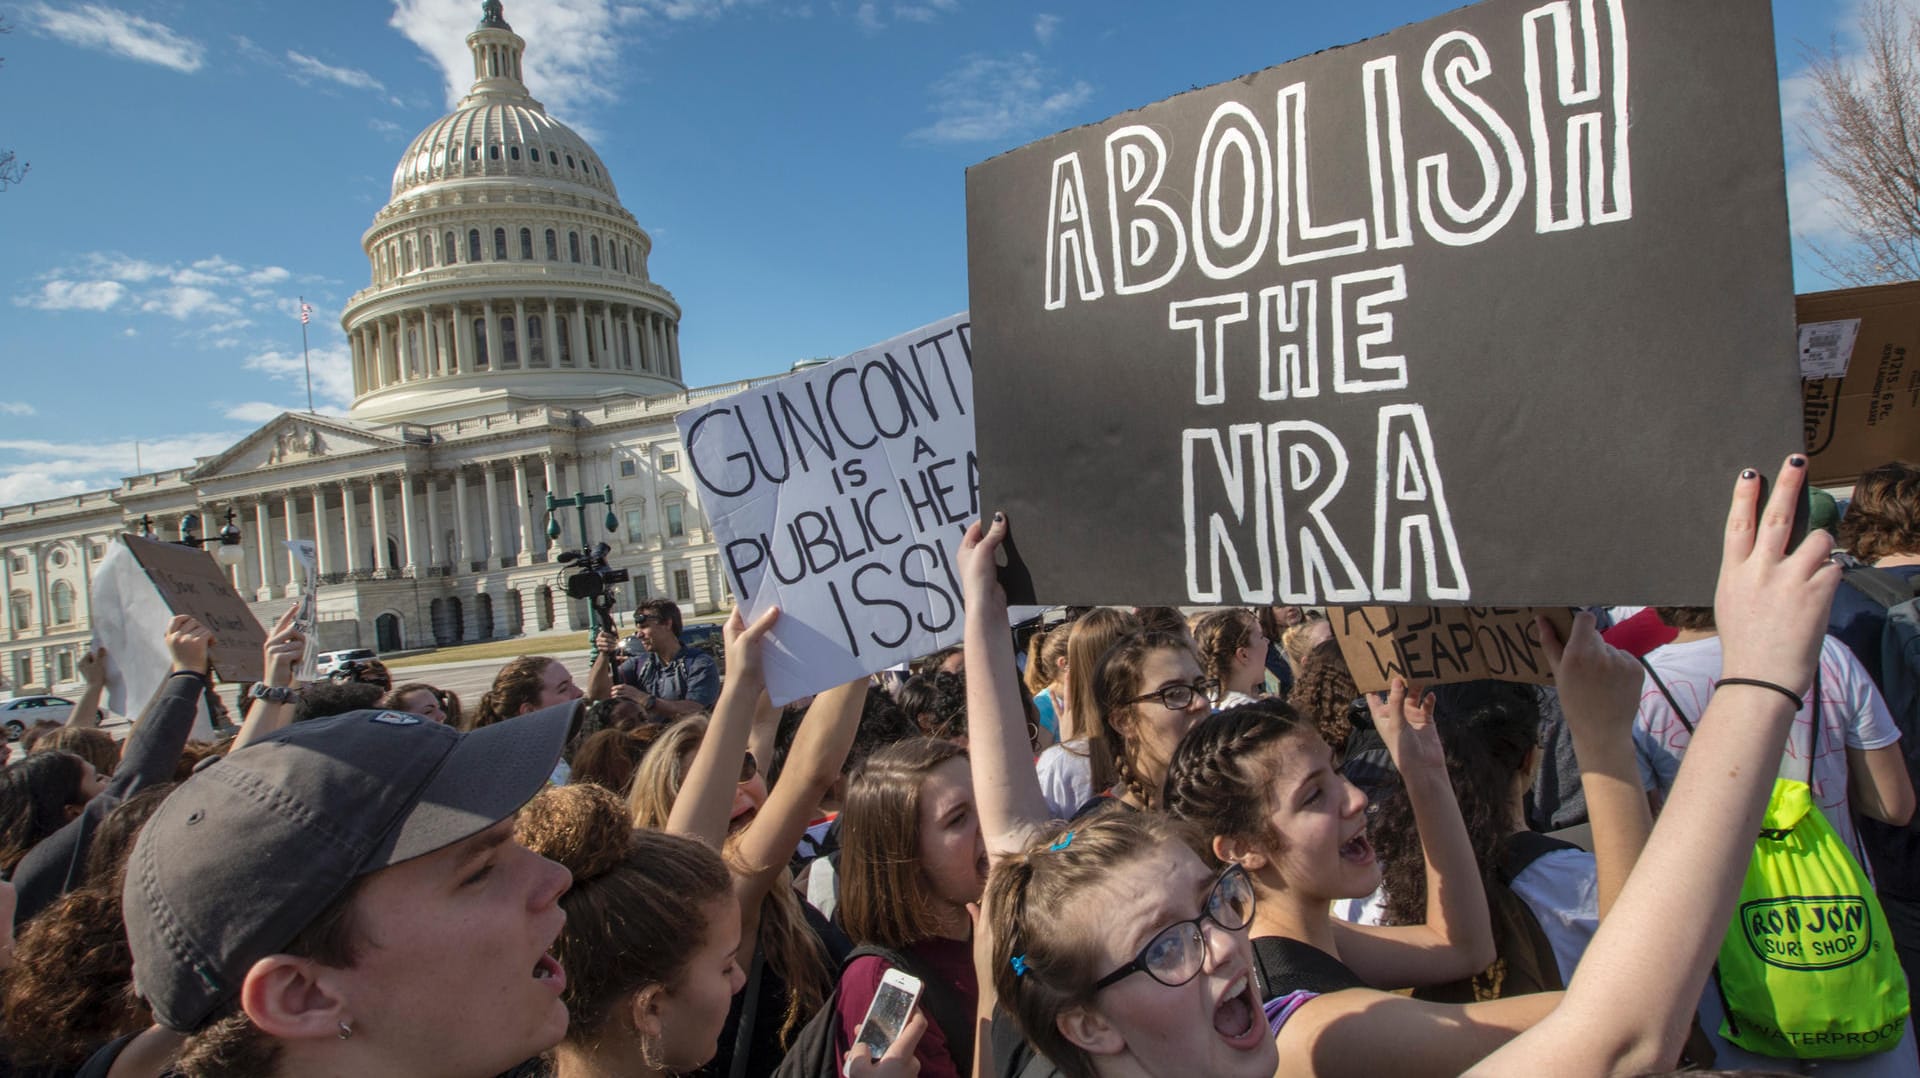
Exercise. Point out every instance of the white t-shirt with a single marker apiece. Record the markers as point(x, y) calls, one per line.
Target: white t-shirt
point(1562, 889)
point(1066, 777)
point(1852, 716)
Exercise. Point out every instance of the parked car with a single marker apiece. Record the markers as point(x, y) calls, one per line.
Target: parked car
point(331, 661)
point(21, 712)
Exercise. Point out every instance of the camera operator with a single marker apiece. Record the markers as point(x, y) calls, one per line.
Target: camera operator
point(676, 679)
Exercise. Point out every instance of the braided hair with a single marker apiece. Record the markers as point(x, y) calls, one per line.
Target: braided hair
point(1115, 685)
point(1223, 770)
point(1218, 635)
point(516, 687)
point(1038, 905)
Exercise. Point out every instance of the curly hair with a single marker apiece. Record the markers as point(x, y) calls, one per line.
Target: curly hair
point(1487, 728)
point(71, 986)
point(608, 758)
point(1222, 773)
point(1686, 617)
point(35, 794)
point(1324, 693)
point(1115, 684)
point(515, 688)
point(1884, 518)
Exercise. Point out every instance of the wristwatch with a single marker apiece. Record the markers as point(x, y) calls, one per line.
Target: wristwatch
point(271, 695)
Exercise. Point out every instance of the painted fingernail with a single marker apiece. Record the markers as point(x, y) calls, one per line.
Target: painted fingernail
point(999, 518)
point(1797, 461)
point(1749, 474)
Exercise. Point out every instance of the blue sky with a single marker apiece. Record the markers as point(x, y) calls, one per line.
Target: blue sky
point(197, 164)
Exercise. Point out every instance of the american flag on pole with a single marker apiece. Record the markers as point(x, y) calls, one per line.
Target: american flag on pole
point(306, 313)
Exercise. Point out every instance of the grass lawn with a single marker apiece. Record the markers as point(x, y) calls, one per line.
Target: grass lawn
point(495, 649)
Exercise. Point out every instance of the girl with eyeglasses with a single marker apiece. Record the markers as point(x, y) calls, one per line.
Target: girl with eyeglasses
point(1070, 910)
point(1150, 691)
point(700, 780)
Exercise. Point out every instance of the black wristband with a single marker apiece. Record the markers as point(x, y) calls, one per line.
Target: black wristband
point(1758, 684)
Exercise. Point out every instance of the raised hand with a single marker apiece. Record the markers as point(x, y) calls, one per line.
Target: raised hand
point(1599, 685)
point(284, 647)
point(979, 569)
point(1772, 603)
point(188, 642)
point(743, 642)
point(1404, 718)
point(93, 666)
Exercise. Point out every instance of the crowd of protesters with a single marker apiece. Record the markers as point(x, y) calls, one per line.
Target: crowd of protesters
point(1131, 842)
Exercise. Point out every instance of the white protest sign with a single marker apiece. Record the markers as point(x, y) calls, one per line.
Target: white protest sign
point(130, 619)
point(840, 495)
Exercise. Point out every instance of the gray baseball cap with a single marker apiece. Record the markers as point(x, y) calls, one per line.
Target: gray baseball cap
point(245, 854)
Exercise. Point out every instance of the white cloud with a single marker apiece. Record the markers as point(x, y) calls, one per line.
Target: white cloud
point(988, 99)
point(573, 44)
point(268, 275)
point(308, 69)
point(184, 302)
point(255, 411)
point(61, 294)
point(105, 29)
point(35, 469)
point(385, 127)
point(17, 408)
point(332, 370)
point(1044, 27)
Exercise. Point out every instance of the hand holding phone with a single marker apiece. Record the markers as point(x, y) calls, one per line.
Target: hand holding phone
point(886, 1021)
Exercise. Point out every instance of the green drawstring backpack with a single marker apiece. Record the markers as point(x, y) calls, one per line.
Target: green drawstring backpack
point(1808, 969)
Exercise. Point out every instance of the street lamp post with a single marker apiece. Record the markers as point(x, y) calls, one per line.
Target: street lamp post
point(593, 576)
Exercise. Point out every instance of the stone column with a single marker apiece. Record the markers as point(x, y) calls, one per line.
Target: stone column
point(521, 514)
point(376, 502)
point(380, 337)
point(673, 349)
point(462, 553)
point(496, 541)
point(493, 339)
point(260, 513)
point(633, 340)
point(520, 359)
point(456, 333)
point(550, 338)
point(43, 617)
point(656, 324)
point(409, 535)
point(579, 334)
point(292, 510)
point(349, 526)
point(320, 551)
point(433, 520)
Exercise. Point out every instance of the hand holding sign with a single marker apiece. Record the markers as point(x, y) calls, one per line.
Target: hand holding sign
point(743, 646)
point(1599, 685)
point(188, 642)
point(1404, 717)
point(284, 648)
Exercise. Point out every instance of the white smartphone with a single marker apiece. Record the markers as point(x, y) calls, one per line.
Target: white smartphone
point(888, 1013)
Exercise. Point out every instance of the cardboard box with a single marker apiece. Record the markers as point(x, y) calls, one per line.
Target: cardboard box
point(1872, 414)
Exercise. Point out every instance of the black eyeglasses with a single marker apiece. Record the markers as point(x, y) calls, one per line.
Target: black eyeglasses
point(1180, 697)
point(1176, 955)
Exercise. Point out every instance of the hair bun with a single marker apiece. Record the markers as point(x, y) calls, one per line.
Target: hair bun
point(584, 827)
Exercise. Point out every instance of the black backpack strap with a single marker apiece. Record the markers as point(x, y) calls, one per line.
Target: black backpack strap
point(1288, 965)
point(1526, 847)
point(1668, 693)
point(938, 998)
point(749, 1013)
point(1883, 588)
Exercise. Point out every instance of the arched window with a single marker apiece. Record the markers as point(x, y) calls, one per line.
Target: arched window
point(473, 245)
point(526, 244)
point(513, 152)
point(449, 247)
point(536, 348)
point(499, 245)
point(509, 351)
point(473, 152)
point(629, 260)
point(553, 247)
point(426, 251)
point(553, 158)
point(480, 343)
point(406, 257)
point(573, 245)
point(493, 150)
point(594, 242)
point(562, 337)
point(569, 160)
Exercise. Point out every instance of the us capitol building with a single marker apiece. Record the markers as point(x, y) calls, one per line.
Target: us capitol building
point(511, 343)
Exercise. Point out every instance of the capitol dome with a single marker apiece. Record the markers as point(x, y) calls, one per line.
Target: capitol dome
point(504, 267)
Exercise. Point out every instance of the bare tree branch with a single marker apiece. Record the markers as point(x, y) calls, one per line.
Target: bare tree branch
point(12, 171)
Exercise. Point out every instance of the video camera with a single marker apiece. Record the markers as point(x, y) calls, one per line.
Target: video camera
point(592, 579)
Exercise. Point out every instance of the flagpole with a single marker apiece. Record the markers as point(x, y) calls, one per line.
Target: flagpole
point(305, 356)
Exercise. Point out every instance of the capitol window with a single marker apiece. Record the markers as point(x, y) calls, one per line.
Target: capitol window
point(473, 245)
point(669, 462)
point(21, 607)
point(626, 468)
point(62, 599)
point(553, 158)
point(58, 558)
point(536, 347)
point(676, 520)
point(493, 150)
point(449, 246)
point(595, 243)
point(634, 520)
point(526, 244)
point(553, 247)
point(513, 152)
point(473, 152)
point(563, 337)
point(509, 351)
point(499, 245)
point(569, 160)
point(480, 343)
point(573, 245)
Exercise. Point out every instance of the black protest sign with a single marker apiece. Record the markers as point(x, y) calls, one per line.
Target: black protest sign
point(1492, 308)
point(1442, 645)
point(191, 582)
point(840, 494)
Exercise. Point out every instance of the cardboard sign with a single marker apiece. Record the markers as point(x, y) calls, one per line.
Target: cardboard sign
point(1870, 415)
point(1430, 645)
point(1488, 309)
point(189, 581)
point(840, 494)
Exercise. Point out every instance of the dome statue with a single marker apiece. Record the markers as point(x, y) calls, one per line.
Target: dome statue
point(505, 269)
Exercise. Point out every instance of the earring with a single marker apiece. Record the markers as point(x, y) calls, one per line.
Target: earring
point(346, 1031)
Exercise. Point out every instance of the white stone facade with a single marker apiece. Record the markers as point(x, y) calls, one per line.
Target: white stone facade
point(511, 344)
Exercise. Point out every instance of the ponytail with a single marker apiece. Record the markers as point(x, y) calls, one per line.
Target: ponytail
point(515, 688)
